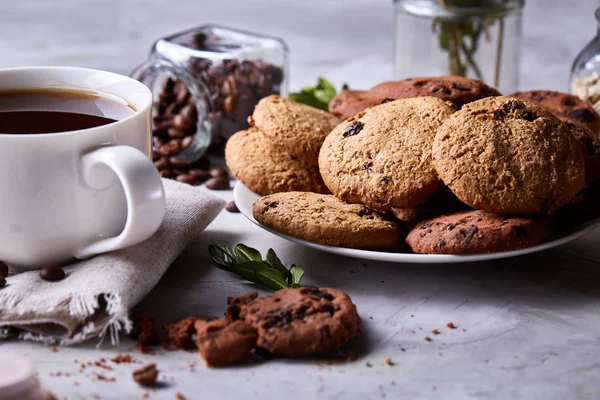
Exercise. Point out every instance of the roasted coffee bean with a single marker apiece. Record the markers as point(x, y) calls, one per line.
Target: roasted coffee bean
point(146, 376)
point(229, 103)
point(232, 207)
point(178, 172)
point(182, 123)
point(162, 163)
point(187, 178)
point(189, 112)
point(165, 173)
point(52, 273)
point(170, 148)
point(171, 110)
point(175, 133)
point(2, 282)
point(187, 141)
point(155, 156)
point(200, 174)
point(182, 97)
point(220, 183)
point(219, 172)
point(3, 270)
point(168, 84)
point(179, 163)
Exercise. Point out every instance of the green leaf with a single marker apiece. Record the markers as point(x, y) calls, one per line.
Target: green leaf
point(274, 262)
point(271, 279)
point(297, 273)
point(317, 96)
point(245, 253)
point(247, 269)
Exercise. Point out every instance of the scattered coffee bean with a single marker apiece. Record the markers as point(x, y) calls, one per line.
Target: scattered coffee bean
point(146, 376)
point(187, 178)
point(52, 273)
point(200, 174)
point(232, 207)
point(165, 173)
point(219, 183)
point(2, 282)
point(219, 172)
point(3, 270)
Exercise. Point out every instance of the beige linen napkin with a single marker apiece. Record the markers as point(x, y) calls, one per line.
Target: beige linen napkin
point(97, 294)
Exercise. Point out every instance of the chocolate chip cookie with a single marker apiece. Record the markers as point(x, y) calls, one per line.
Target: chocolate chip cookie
point(509, 157)
point(264, 169)
point(564, 105)
point(475, 231)
point(327, 220)
point(297, 322)
point(223, 342)
point(294, 128)
point(381, 157)
point(455, 89)
point(590, 145)
point(350, 102)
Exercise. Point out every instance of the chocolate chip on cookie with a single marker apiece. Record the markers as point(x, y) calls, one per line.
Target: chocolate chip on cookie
point(327, 220)
point(297, 322)
point(564, 105)
point(381, 157)
point(294, 128)
point(509, 156)
point(475, 231)
point(257, 163)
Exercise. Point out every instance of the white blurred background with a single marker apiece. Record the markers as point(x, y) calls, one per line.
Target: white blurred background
point(344, 40)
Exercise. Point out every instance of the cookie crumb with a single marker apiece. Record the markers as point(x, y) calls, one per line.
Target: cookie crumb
point(53, 349)
point(412, 315)
point(122, 358)
point(388, 361)
point(146, 376)
point(428, 339)
point(451, 325)
point(179, 396)
point(368, 364)
point(464, 330)
point(436, 332)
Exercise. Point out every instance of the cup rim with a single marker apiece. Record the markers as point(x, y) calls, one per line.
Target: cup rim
point(141, 111)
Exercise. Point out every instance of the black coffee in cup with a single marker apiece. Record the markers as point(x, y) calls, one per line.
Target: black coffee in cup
point(30, 111)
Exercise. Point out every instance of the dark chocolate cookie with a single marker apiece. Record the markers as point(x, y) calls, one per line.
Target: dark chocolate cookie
point(455, 89)
point(475, 231)
point(297, 322)
point(564, 105)
point(224, 341)
point(350, 102)
point(590, 145)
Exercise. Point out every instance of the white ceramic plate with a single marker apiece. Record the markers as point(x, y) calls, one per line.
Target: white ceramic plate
point(244, 198)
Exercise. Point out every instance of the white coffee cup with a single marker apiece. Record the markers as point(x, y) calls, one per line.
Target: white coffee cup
point(80, 193)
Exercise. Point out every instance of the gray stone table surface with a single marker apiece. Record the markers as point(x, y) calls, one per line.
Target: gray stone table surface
point(527, 328)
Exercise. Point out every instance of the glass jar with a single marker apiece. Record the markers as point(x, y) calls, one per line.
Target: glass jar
point(206, 82)
point(478, 39)
point(585, 71)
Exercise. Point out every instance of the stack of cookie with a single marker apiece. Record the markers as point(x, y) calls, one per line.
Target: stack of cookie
point(280, 151)
point(445, 165)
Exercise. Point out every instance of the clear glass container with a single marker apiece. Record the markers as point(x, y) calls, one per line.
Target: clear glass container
point(206, 82)
point(479, 39)
point(585, 71)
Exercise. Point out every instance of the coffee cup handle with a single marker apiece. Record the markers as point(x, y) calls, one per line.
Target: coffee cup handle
point(144, 193)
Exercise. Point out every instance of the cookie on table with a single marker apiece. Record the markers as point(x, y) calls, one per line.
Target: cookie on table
point(294, 128)
point(476, 231)
point(564, 105)
point(590, 145)
point(298, 322)
point(509, 157)
point(455, 89)
point(222, 342)
point(264, 169)
point(327, 220)
point(348, 103)
point(381, 157)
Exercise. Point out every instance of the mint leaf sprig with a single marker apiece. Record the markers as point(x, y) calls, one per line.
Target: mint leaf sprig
point(317, 96)
point(249, 264)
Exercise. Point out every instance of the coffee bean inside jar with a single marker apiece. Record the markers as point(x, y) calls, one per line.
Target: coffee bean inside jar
point(226, 72)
